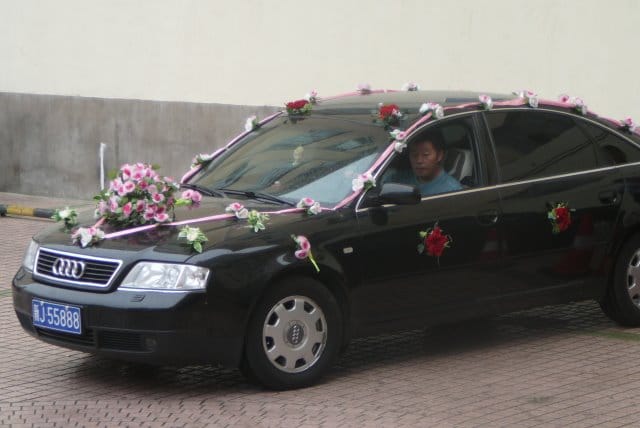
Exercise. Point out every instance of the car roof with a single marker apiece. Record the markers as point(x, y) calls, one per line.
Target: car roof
point(407, 101)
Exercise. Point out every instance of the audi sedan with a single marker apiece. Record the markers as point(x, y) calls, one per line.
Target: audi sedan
point(340, 218)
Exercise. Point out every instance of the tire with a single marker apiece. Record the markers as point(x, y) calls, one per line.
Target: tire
point(294, 334)
point(622, 301)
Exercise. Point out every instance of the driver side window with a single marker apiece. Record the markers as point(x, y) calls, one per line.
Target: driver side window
point(439, 159)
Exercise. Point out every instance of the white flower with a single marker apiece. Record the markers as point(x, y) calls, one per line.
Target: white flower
point(192, 234)
point(65, 213)
point(486, 101)
point(629, 124)
point(238, 210)
point(312, 96)
point(399, 146)
point(436, 110)
point(315, 208)
point(530, 96)
point(87, 235)
point(398, 135)
point(312, 206)
point(579, 105)
point(251, 123)
point(410, 86)
point(363, 181)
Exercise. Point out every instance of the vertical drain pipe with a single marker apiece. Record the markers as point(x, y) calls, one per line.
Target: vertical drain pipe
point(103, 147)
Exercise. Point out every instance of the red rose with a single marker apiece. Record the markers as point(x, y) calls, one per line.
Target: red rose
point(436, 242)
point(297, 105)
point(563, 218)
point(388, 111)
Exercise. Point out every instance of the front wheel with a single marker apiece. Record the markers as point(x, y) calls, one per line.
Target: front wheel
point(622, 302)
point(294, 334)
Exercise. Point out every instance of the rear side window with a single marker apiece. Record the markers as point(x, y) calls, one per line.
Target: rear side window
point(612, 149)
point(533, 144)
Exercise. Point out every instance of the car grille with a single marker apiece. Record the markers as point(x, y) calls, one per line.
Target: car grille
point(83, 271)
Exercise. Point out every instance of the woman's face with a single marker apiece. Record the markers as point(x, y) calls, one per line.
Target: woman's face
point(425, 160)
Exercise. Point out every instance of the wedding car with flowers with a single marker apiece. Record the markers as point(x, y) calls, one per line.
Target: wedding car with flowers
point(320, 223)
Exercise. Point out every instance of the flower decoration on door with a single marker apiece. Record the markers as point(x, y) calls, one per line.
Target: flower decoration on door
point(434, 241)
point(559, 216)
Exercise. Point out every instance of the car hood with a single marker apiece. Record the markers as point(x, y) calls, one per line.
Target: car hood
point(162, 242)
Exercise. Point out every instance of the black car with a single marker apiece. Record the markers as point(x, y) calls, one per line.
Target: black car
point(313, 230)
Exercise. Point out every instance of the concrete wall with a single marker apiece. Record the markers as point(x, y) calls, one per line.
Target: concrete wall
point(255, 52)
point(49, 145)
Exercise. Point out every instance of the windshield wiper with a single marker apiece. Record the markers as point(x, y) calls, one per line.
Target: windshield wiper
point(257, 195)
point(202, 189)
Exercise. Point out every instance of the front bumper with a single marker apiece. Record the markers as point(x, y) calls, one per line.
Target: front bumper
point(163, 328)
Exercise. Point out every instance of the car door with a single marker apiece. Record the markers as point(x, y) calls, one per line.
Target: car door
point(403, 286)
point(547, 165)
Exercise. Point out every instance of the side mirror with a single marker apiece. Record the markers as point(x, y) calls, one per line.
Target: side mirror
point(399, 194)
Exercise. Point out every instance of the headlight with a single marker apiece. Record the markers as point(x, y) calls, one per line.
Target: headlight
point(30, 256)
point(166, 276)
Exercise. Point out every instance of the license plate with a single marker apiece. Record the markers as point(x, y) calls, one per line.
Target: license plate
point(53, 316)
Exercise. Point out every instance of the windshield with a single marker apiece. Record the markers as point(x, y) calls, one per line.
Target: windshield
point(315, 157)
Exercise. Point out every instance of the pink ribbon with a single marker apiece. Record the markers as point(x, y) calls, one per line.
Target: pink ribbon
point(222, 149)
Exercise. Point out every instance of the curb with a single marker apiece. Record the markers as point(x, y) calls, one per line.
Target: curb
point(26, 211)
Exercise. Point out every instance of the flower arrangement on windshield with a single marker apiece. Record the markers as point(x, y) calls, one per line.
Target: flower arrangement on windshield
point(303, 250)
point(560, 217)
point(434, 241)
point(194, 237)
point(67, 215)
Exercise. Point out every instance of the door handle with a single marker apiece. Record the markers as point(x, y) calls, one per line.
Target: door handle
point(488, 217)
point(608, 197)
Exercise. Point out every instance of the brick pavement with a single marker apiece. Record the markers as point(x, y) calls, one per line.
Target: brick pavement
point(556, 366)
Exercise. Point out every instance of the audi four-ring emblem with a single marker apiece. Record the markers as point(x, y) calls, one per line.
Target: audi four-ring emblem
point(68, 268)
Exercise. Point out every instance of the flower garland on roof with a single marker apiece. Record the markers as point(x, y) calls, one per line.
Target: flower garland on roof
point(530, 96)
point(140, 199)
